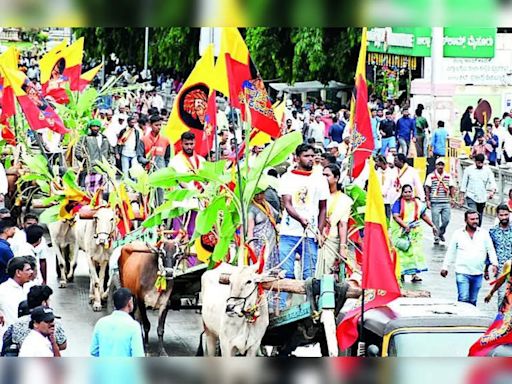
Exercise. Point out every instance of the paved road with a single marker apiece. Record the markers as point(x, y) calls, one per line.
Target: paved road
point(183, 328)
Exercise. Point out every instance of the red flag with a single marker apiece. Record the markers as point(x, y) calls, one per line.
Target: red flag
point(379, 280)
point(498, 334)
point(37, 110)
point(7, 133)
point(362, 134)
point(246, 87)
point(7, 100)
point(210, 126)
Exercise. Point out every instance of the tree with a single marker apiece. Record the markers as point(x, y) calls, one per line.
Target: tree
point(287, 54)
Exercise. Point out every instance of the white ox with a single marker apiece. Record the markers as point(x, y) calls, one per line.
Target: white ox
point(65, 243)
point(235, 314)
point(95, 239)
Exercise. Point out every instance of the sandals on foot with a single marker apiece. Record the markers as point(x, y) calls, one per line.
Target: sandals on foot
point(416, 279)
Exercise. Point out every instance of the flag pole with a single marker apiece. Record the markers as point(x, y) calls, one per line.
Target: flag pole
point(239, 177)
point(361, 347)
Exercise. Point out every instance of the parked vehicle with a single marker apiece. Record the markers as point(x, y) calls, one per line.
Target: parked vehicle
point(422, 327)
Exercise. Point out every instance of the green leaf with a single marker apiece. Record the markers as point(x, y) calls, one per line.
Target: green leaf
point(32, 177)
point(221, 249)
point(208, 217)
point(44, 185)
point(69, 179)
point(272, 155)
point(50, 215)
point(86, 101)
point(153, 220)
point(164, 177)
point(181, 194)
point(51, 199)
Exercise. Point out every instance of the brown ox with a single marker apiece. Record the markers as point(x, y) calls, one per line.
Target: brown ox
point(139, 267)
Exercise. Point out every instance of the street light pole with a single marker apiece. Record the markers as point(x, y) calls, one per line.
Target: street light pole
point(146, 40)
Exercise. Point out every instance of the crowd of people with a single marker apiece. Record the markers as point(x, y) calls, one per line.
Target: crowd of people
point(304, 211)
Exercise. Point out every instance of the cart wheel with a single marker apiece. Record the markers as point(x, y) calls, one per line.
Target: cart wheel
point(329, 322)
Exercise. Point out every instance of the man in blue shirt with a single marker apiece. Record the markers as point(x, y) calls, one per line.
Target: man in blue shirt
point(405, 132)
point(7, 231)
point(336, 130)
point(439, 140)
point(118, 335)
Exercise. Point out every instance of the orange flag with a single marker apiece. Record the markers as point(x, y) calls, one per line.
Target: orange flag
point(379, 279)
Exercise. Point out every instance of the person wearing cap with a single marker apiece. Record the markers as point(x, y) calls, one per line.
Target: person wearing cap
point(7, 230)
point(40, 342)
point(118, 335)
point(126, 149)
point(39, 295)
point(90, 150)
point(334, 149)
point(387, 128)
point(440, 198)
point(12, 294)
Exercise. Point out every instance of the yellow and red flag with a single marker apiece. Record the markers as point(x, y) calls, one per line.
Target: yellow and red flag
point(190, 105)
point(378, 267)
point(60, 66)
point(245, 88)
point(87, 77)
point(37, 110)
point(362, 135)
point(9, 59)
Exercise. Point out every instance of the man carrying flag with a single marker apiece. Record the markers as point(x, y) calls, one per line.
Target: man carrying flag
point(379, 280)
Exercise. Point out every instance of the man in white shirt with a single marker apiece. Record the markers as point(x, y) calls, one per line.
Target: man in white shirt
point(11, 291)
point(157, 101)
point(405, 175)
point(33, 246)
point(506, 144)
point(304, 195)
point(477, 185)
point(468, 249)
point(317, 129)
point(387, 175)
point(187, 161)
point(41, 340)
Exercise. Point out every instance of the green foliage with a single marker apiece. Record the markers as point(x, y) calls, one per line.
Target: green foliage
point(286, 54)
